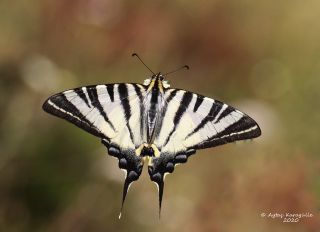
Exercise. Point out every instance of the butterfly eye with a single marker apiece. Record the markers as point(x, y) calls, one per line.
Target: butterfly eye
point(166, 84)
point(147, 81)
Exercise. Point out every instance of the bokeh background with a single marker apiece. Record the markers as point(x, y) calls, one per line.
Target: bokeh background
point(261, 56)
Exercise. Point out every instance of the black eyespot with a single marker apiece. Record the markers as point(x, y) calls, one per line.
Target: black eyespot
point(156, 177)
point(180, 158)
point(122, 163)
point(132, 176)
point(170, 167)
point(113, 151)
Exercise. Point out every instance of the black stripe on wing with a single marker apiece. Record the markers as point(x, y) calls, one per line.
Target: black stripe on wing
point(216, 107)
point(186, 99)
point(110, 92)
point(123, 94)
point(80, 92)
point(225, 113)
point(59, 105)
point(93, 95)
point(172, 95)
point(245, 128)
point(139, 93)
point(198, 103)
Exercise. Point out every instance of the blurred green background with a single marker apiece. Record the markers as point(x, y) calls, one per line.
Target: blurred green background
point(262, 57)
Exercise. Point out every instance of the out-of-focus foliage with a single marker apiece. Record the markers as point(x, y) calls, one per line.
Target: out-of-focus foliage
point(261, 56)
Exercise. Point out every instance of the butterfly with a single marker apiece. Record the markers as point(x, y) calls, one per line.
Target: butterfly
point(151, 124)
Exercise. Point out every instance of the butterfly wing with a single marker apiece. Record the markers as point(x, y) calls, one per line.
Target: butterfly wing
point(198, 122)
point(192, 122)
point(111, 112)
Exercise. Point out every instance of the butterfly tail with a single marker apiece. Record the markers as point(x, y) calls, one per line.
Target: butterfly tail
point(161, 187)
point(132, 176)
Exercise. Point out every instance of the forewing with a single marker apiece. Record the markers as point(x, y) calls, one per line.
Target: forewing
point(108, 111)
point(192, 121)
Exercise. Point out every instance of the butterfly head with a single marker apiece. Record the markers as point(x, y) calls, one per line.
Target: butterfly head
point(157, 81)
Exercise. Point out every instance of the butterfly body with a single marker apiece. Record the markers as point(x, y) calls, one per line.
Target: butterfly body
point(153, 107)
point(151, 124)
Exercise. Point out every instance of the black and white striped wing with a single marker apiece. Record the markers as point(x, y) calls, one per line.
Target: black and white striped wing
point(192, 122)
point(111, 112)
point(108, 111)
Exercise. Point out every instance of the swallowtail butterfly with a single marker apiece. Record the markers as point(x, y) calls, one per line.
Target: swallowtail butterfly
point(151, 124)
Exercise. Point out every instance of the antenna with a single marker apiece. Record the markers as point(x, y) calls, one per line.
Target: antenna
point(135, 54)
point(183, 67)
